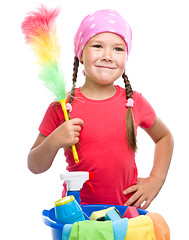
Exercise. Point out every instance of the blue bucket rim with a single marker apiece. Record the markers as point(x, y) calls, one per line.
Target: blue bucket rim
point(47, 214)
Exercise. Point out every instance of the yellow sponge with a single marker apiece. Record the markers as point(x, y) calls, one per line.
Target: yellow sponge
point(100, 215)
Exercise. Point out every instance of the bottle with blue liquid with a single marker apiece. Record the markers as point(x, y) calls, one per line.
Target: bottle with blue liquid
point(68, 209)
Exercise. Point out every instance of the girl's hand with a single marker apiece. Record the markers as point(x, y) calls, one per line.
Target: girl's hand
point(67, 134)
point(145, 190)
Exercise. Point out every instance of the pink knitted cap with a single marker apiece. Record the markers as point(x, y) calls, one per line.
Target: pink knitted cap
point(101, 21)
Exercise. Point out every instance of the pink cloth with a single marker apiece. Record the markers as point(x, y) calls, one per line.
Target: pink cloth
point(101, 21)
point(103, 147)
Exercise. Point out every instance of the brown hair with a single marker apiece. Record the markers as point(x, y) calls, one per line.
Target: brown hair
point(130, 126)
point(74, 78)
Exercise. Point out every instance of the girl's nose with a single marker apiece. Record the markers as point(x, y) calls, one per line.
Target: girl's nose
point(107, 55)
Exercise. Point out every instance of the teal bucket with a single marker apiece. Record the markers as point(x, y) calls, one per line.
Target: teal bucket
point(49, 217)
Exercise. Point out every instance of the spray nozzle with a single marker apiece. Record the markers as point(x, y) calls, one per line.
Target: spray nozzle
point(75, 180)
point(91, 176)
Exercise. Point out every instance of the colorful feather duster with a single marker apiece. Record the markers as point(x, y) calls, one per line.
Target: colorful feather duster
point(40, 33)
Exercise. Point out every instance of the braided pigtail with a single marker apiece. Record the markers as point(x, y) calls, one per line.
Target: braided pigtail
point(130, 125)
point(74, 79)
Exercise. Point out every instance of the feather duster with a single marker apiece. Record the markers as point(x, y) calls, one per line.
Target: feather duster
point(40, 33)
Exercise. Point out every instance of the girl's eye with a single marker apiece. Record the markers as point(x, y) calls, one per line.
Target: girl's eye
point(97, 46)
point(118, 49)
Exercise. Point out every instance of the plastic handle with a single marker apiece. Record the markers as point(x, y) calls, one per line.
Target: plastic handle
point(64, 108)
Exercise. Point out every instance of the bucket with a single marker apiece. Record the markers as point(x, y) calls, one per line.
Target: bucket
point(49, 217)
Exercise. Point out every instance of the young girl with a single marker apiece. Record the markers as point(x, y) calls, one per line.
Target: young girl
point(104, 120)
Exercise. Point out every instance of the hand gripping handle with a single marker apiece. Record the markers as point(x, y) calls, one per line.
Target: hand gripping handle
point(64, 108)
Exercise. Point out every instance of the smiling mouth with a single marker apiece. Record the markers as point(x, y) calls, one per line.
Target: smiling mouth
point(106, 67)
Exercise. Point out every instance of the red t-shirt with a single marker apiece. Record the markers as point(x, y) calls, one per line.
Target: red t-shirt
point(103, 147)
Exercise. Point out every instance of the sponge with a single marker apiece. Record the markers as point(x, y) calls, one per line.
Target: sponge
point(100, 215)
point(113, 215)
point(131, 212)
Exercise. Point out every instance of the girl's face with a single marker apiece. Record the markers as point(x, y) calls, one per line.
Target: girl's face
point(104, 58)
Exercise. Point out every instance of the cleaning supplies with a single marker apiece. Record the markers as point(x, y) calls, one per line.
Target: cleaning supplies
point(140, 228)
point(40, 33)
point(113, 215)
point(161, 228)
point(131, 212)
point(67, 210)
point(95, 230)
point(92, 230)
point(100, 215)
point(75, 181)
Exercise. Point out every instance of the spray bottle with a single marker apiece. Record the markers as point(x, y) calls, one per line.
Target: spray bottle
point(74, 182)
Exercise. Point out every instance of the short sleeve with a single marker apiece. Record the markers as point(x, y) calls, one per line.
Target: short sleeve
point(52, 119)
point(146, 114)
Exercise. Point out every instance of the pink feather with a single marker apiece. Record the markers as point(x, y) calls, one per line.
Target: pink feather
point(39, 21)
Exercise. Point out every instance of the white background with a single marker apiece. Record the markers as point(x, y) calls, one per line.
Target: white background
point(158, 67)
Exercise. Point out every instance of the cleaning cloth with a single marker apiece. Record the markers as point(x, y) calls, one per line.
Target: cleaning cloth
point(120, 228)
point(140, 228)
point(66, 231)
point(96, 230)
point(92, 230)
point(161, 228)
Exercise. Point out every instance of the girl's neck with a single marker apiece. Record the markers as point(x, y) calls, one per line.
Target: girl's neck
point(97, 91)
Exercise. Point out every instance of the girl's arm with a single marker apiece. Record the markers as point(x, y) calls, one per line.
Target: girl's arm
point(147, 189)
point(44, 150)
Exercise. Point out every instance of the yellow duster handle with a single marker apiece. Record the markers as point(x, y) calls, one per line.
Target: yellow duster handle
point(64, 108)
